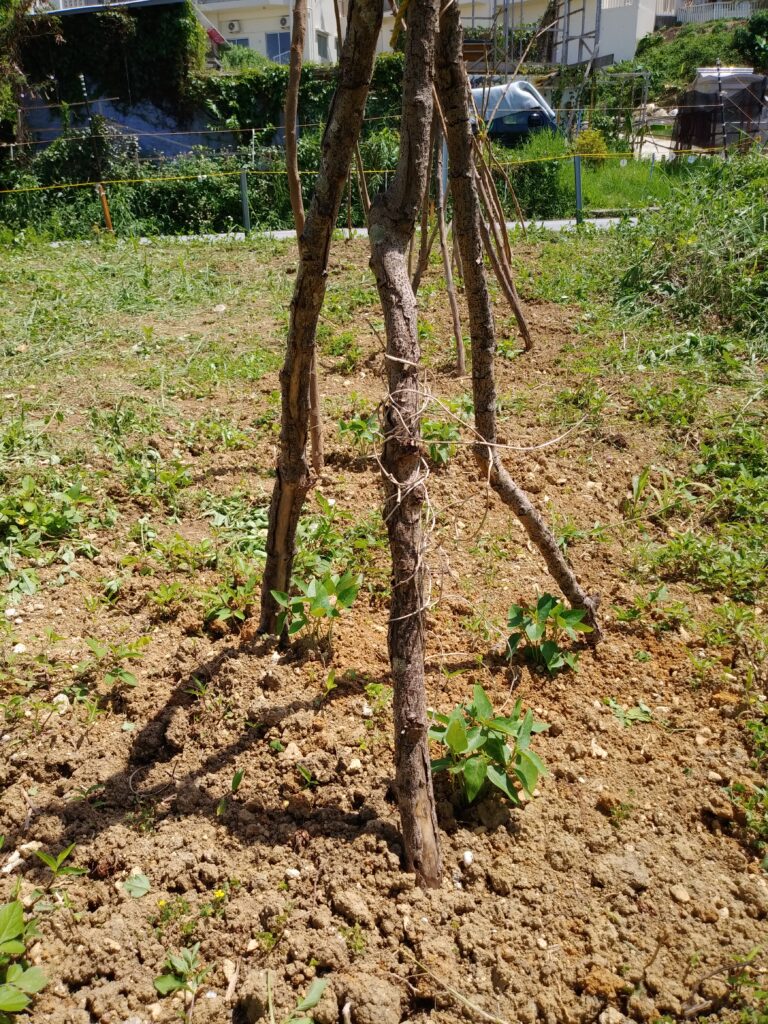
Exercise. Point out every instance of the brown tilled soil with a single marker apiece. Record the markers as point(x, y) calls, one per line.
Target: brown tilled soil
point(621, 890)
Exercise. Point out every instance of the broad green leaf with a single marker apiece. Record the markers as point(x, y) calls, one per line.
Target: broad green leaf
point(513, 642)
point(535, 760)
point(11, 921)
point(12, 999)
point(456, 734)
point(527, 774)
point(13, 946)
point(168, 983)
point(505, 725)
point(313, 996)
point(137, 886)
point(524, 736)
point(475, 769)
point(441, 764)
point(282, 599)
point(475, 738)
point(47, 859)
point(503, 782)
point(535, 631)
point(497, 750)
point(483, 707)
point(516, 616)
point(30, 981)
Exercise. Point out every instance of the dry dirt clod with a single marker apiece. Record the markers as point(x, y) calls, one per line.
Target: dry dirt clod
point(372, 1000)
point(680, 894)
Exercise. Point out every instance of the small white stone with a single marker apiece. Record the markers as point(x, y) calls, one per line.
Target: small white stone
point(680, 894)
point(11, 613)
point(19, 649)
point(253, 945)
point(61, 700)
point(597, 750)
point(291, 874)
point(714, 777)
point(367, 710)
point(355, 766)
point(220, 308)
point(541, 942)
point(467, 858)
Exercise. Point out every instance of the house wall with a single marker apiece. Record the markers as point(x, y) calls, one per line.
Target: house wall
point(256, 20)
point(623, 24)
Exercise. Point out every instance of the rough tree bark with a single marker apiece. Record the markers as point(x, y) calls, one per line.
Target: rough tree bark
point(453, 91)
point(298, 33)
point(392, 221)
point(293, 477)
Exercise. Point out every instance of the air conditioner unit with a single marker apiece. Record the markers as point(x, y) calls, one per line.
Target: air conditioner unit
point(233, 26)
point(283, 23)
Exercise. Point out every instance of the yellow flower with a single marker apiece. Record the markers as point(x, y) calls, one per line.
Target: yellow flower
point(219, 894)
point(161, 903)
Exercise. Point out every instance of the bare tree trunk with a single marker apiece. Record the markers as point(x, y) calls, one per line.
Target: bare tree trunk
point(293, 478)
point(453, 90)
point(461, 363)
point(298, 33)
point(392, 223)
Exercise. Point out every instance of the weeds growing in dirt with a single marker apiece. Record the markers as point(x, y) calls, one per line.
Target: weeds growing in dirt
point(184, 973)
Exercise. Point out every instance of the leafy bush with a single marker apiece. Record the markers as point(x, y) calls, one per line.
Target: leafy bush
point(752, 40)
point(672, 56)
point(486, 749)
point(590, 143)
point(317, 605)
point(540, 630)
point(705, 255)
point(534, 172)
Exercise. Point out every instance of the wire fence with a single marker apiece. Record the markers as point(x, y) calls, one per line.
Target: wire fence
point(247, 188)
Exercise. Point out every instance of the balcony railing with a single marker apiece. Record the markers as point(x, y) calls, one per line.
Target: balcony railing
point(686, 13)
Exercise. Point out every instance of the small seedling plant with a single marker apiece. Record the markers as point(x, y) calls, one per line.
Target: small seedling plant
point(57, 864)
point(317, 605)
point(184, 973)
point(18, 981)
point(111, 660)
point(540, 631)
point(362, 432)
point(483, 749)
point(301, 1013)
point(441, 440)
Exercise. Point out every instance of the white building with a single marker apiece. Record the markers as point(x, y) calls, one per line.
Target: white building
point(266, 27)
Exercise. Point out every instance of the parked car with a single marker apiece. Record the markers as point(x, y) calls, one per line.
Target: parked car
point(511, 112)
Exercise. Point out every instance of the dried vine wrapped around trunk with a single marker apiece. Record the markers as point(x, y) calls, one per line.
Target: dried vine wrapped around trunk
point(453, 91)
point(392, 222)
point(293, 478)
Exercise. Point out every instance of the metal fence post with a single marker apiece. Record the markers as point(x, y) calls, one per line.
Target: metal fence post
point(577, 181)
point(244, 198)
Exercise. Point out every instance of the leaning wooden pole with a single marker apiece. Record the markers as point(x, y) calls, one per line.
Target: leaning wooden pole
point(392, 223)
point(461, 364)
point(293, 478)
point(453, 91)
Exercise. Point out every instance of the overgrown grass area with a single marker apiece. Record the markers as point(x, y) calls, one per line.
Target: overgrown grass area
point(674, 335)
